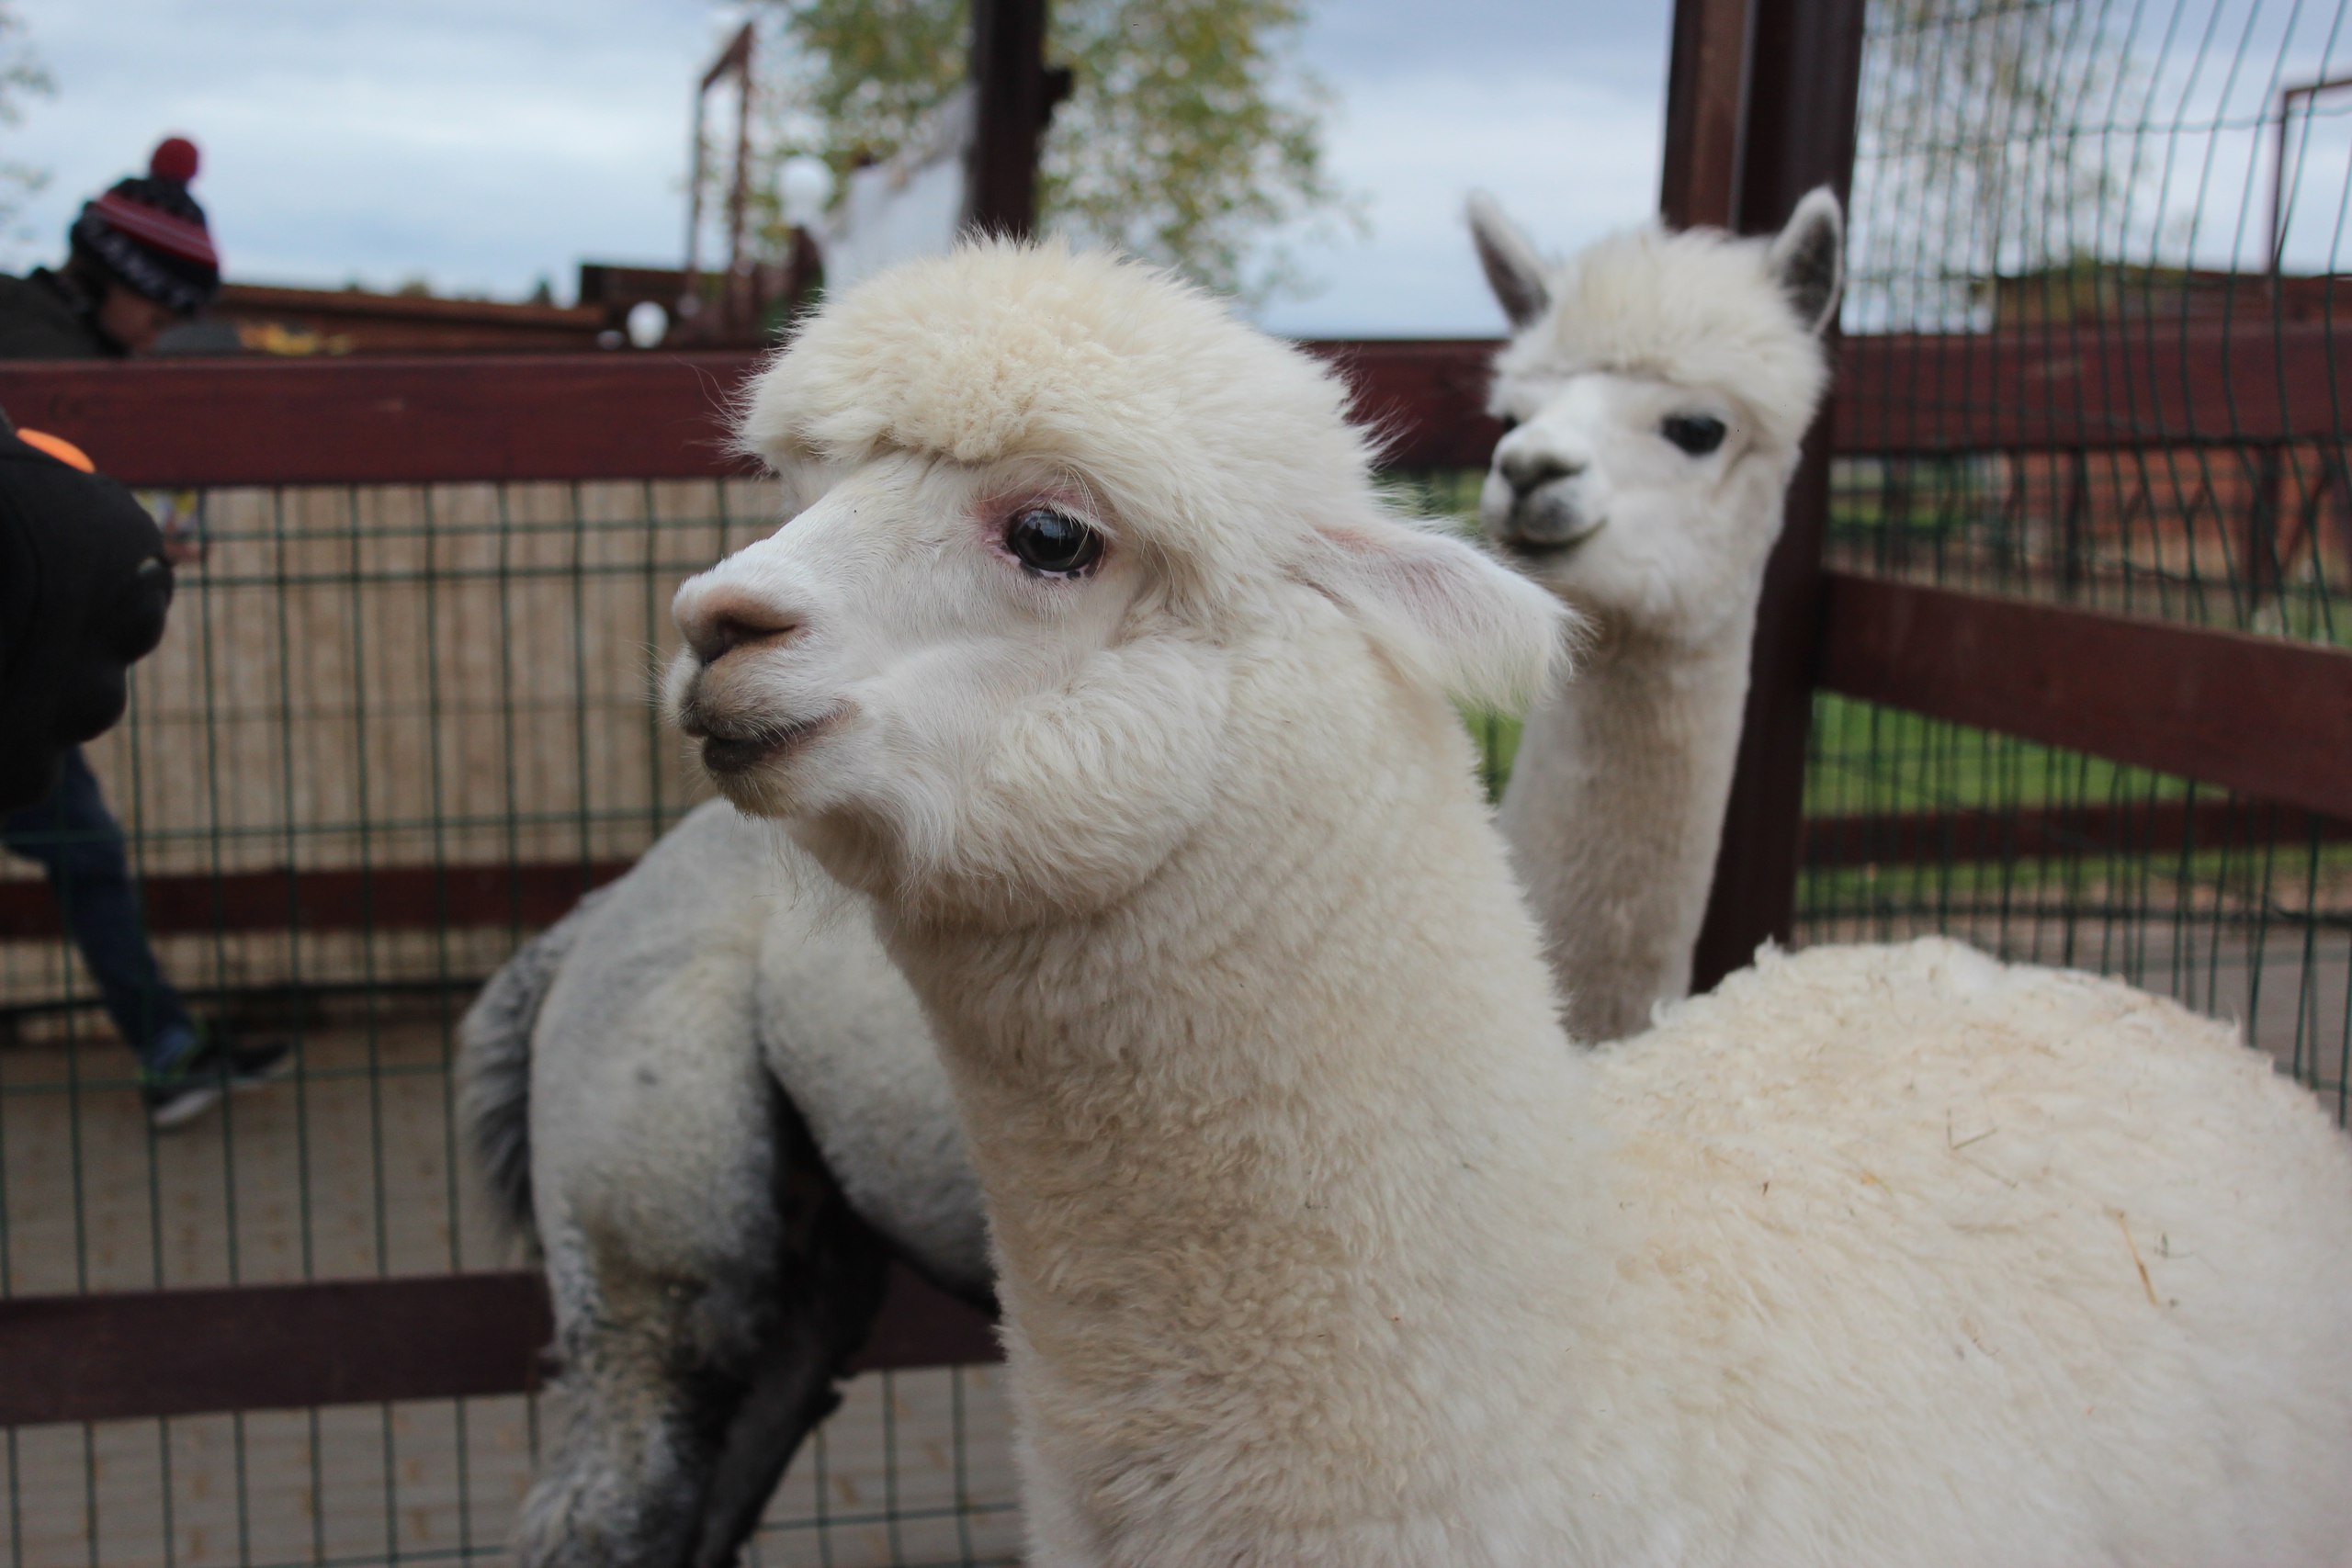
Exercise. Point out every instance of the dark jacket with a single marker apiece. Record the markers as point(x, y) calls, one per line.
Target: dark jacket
point(44, 315)
point(83, 586)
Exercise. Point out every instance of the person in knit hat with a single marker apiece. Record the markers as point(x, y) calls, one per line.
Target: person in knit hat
point(140, 259)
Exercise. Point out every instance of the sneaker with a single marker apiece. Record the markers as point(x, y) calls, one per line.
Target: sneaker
point(199, 1076)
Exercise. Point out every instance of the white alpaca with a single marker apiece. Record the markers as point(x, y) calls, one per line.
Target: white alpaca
point(1097, 662)
point(1656, 390)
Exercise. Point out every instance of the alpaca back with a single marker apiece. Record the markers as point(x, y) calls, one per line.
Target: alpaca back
point(1897, 1202)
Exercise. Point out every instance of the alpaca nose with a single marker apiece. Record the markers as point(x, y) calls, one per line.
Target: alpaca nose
point(719, 622)
point(1527, 472)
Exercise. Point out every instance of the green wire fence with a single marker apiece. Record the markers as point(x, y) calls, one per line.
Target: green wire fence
point(2096, 253)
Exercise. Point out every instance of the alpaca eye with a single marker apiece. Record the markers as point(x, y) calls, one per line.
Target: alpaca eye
point(1511, 423)
point(1697, 433)
point(1052, 544)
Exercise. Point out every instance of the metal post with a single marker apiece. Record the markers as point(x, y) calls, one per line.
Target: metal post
point(742, 310)
point(1013, 96)
point(695, 166)
point(1794, 130)
point(2075, 527)
point(2288, 96)
point(2264, 569)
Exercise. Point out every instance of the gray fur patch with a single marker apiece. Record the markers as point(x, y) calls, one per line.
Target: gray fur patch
point(494, 1062)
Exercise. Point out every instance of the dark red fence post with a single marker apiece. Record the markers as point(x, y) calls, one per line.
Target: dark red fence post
point(1013, 97)
point(1795, 130)
point(1706, 102)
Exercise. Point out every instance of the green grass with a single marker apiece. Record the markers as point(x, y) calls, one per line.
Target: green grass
point(1497, 737)
point(1870, 759)
point(1866, 758)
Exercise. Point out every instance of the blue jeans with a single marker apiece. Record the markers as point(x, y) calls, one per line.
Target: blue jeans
point(74, 838)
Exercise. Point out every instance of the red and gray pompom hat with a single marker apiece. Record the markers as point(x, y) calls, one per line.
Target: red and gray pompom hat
point(151, 233)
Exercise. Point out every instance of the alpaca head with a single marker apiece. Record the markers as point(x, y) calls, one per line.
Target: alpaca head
point(1051, 504)
point(1656, 388)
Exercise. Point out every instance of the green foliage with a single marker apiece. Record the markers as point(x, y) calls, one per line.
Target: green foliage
point(1190, 136)
point(867, 70)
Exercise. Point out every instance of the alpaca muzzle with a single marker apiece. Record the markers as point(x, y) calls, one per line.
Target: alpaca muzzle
point(736, 741)
point(1544, 523)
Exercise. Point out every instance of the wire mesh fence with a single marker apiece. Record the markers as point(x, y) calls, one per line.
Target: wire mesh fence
point(2096, 271)
point(2092, 360)
point(912, 1470)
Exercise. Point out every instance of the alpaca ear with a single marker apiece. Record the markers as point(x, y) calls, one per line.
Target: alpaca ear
point(1808, 257)
point(1451, 615)
point(1514, 270)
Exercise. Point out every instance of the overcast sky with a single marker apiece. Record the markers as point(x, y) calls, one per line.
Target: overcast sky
point(483, 144)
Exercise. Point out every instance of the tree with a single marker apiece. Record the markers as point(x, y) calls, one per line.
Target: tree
point(22, 76)
point(1190, 136)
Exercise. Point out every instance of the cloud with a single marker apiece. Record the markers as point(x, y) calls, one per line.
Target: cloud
point(1569, 160)
point(482, 145)
point(1568, 39)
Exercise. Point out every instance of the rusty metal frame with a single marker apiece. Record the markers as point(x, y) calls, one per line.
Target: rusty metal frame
point(374, 898)
point(2261, 715)
point(735, 61)
point(2302, 91)
point(553, 416)
point(2154, 827)
point(615, 416)
point(1706, 111)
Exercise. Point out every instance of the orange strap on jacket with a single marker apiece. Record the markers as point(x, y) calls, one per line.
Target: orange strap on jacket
point(57, 447)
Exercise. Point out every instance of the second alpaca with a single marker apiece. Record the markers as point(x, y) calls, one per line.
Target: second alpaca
point(1657, 391)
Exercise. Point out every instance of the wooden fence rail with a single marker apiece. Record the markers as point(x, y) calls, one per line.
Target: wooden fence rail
point(145, 1353)
point(644, 416)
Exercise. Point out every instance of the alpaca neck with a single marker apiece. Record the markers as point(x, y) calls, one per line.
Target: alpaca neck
point(1615, 813)
point(1251, 1139)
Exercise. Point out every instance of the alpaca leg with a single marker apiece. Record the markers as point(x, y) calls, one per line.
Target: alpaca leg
point(691, 1377)
point(656, 1148)
point(665, 1179)
point(654, 1366)
point(824, 1307)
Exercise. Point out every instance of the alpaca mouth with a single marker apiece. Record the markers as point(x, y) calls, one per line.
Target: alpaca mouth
point(729, 749)
point(1550, 547)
